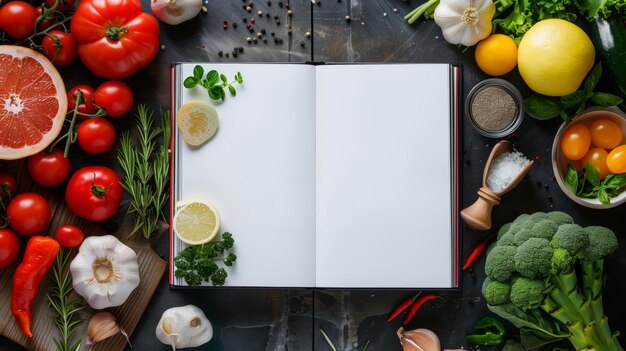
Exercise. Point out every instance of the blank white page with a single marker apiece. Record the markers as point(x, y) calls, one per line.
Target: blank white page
point(384, 183)
point(259, 170)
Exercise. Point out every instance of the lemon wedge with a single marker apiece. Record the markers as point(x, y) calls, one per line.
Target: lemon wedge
point(196, 221)
point(197, 122)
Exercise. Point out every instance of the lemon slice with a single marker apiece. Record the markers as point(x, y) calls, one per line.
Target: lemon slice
point(196, 221)
point(197, 122)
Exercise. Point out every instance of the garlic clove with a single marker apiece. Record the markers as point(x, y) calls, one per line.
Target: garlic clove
point(419, 340)
point(185, 326)
point(175, 11)
point(101, 326)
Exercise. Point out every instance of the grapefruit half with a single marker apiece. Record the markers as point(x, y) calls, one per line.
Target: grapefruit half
point(33, 103)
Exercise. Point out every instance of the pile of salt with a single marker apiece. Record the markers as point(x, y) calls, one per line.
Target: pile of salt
point(504, 169)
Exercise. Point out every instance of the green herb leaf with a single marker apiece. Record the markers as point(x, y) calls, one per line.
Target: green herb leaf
point(239, 78)
point(604, 197)
point(215, 92)
point(232, 90)
point(605, 99)
point(542, 107)
point(213, 78)
point(198, 72)
point(223, 78)
point(593, 79)
point(592, 174)
point(571, 180)
point(197, 264)
point(572, 99)
point(615, 181)
point(190, 82)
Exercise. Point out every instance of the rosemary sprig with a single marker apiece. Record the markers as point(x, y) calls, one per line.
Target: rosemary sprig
point(65, 306)
point(332, 346)
point(146, 166)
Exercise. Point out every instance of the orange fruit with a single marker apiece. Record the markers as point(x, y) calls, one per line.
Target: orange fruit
point(496, 55)
point(33, 102)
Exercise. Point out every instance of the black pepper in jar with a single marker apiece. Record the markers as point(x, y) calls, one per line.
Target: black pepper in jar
point(493, 108)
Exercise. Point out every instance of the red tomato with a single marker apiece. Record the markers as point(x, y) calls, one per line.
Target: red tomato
point(115, 38)
point(616, 161)
point(64, 5)
point(597, 158)
point(606, 134)
point(17, 19)
point(49, 169)
point(94, 193)
point(69, 236)
point(46, 23)
point(28, 213)
point(96, 135)
point(7, 182)
point(115, 97)
point(62, 50)
point(9, 246)
point(575, 142)
point(86, 107)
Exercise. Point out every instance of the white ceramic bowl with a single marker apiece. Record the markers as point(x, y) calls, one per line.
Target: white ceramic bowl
point(560, 163)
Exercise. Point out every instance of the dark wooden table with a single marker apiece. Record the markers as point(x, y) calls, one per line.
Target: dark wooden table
point(281, 319)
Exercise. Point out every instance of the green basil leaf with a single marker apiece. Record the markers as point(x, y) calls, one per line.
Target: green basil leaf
point(198, 72)
point(604, 197)
point(593, 79)
point(572, 99)
point(216, 92)
point(542, 107)
point(581, 108)
point(592, 174)
point(190, 82)
point(239, 78)
point(605, 99)
point(615, 182)
point(223, 78)
point(212, 77)
point(232, 90)
point(571, 180)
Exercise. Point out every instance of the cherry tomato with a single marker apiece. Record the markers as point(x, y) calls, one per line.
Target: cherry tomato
point(69, 236)
point(46, 23)
point(28, 213)
point(49, 169)
point(96, 135)
point(17, 19)
point(575, 142)
point(64, 5)
point(9, 247)
point(7, 182)
point(115, 96)
point(60, 50)
point(606, 134)
point(597, 158)
point(86, 107)
point(94, 193)
point(616, 161)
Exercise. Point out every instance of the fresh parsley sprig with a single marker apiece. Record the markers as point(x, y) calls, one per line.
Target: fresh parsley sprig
point(587, 184)
point(197, 264)
point(214, 82)
point(547, 107)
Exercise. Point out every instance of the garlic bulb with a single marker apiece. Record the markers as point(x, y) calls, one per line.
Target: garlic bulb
point(184, 326)
point(104, 271)
point(175, 11)
point(465, 22)
point(419, 340)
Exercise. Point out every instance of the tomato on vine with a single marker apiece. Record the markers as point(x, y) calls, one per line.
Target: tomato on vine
point(115, 97)
point(69, 236)
point(8, 182)
point(49, 169)
point(59, 47)
point(28, 213)
point(63, 6)
point(17, 19)
point(86, 107)
point(96, 135)
point(9, 247)
point(45, 23)
point(94, 193)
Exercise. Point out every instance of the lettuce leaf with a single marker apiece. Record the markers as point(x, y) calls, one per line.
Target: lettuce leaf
point(601, 8)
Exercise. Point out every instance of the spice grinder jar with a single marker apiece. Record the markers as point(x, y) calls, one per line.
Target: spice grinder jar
point(494, 107)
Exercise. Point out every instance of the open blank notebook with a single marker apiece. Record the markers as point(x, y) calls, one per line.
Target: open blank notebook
point(329, 176)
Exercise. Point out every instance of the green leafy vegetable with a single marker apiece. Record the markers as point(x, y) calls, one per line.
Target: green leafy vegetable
point(146, 168)
point(587, 184)
point(601, 8)
point(197, 264)
point(547, 107)
point(492, 332)
point(214, 83)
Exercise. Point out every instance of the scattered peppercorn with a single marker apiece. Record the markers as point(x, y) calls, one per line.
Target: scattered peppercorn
point(248, 8)
point(348, 19)
point(265, 41)
point(269, 3)
point(289, 32)
point(252, 20)
point(162, 47)
point(227, 55)
point(302, 44)
point(289, 13)
point(220, 54)
point(276, 17)
point(278, 23)
point(235, 53)
point(260, 13)
point(254, 40)
point(245, 20)
point(318, 2)
point(251, 30)
point(267, 15)
point(240, 48)
point(258, 34)
point(280, 4)
point(308, 34)
point(287, 5)
point(235, 25)
point(204, 9)
point(273, 34)
point(249, 40)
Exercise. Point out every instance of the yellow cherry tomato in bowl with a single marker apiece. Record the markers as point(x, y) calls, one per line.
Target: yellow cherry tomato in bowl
point(597, 158)
point(616, 160)
point(575, 142)
point(606, 134)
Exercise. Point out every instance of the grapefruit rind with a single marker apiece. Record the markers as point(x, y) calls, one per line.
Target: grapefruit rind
point(8, 130)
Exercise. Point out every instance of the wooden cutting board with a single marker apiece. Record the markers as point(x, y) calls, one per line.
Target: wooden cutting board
point(151, 269)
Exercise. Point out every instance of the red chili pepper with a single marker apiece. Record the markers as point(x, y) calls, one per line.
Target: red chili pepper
point(401, 307)
point(474, 255)
point(38, 259)
point(418, 304)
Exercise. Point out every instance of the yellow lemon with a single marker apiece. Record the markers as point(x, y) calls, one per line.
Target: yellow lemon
point(496, 55)
point(197, 122)
point(554, 57)
point(196, 221)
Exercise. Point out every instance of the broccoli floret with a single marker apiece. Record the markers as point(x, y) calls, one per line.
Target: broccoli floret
point(602, 241)
point(521, 236)
point(526, 293)
point(527, 223)
point(544, 229)
point(505, 228)
point(539, 216)
point(571, 237)
point(559, 217)
point(490, 247)
point(533, 258)
point(507, 239)
point(562, 260)
point(496, 293)
point(499, 264)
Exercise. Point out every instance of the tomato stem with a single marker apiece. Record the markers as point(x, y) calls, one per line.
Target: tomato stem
point(116, 33)
point(97, 190)
point(70, 135)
